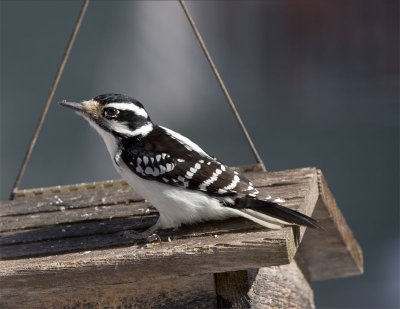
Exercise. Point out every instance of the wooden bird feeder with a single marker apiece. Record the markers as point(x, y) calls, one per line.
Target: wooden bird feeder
point(61, 247)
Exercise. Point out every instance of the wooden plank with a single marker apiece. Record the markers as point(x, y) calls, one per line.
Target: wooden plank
point(193, 255)
point(70, 200)
point(183, 292)
point(111, 237)
point(115, 184)
point(272, 287)
point(43, 219)
point(78, 229)
point(336, 254)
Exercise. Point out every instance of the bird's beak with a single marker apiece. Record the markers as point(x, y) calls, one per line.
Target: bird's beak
point(75, 106)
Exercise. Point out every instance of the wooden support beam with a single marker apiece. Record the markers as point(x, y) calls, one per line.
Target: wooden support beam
point(280, 287)
point(232, 289)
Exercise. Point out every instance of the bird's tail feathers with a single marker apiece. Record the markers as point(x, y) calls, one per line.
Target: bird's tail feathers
point(264, 220)
point(272, 215)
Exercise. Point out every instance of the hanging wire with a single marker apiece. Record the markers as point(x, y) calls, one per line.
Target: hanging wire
point(49, 99)
point(222, 85)
point(61, 69)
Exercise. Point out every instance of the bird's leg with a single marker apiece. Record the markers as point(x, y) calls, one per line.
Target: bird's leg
point(147, 235)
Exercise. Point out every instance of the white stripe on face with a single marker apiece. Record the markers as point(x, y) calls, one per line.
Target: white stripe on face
point(129, 107)
point(143, 130)
point(124, 129)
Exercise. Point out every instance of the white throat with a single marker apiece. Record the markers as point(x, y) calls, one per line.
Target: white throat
point(108, 138)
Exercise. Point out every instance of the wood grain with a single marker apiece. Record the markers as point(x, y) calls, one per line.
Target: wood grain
point(337, 254)
point(232, 288)
point(173, 292)
point(279, 287)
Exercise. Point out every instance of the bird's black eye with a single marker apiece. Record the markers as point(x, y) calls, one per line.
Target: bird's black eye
point(110, 112)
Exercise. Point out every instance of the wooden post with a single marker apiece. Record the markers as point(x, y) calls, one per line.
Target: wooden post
point(61, 247)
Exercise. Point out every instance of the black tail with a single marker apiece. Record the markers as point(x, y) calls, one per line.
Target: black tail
point(277, 211)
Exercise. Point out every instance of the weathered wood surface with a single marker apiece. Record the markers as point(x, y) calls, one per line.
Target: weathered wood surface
point(60, 239)
point(124, 292)
point(232, 289)
point(336, 254)
point(94, 219)
point(68, 222)
point(279, 287)
point(269, 287)
point(283, 286)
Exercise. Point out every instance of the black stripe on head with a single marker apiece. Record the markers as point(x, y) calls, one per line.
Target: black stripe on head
point(131, 119)
point(107, 98)
point(129, 109)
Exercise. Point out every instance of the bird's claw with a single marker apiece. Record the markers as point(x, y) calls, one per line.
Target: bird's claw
point(154, 238)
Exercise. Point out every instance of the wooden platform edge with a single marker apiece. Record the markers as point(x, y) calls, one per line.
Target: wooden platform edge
point(337, 254)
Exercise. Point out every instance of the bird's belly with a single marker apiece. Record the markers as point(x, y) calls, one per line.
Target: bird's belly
point(176, 205)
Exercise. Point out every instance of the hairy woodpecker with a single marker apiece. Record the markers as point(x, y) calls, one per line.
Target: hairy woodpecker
point(175, 175)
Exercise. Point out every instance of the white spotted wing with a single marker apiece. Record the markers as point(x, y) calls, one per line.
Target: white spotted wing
point(165, 157)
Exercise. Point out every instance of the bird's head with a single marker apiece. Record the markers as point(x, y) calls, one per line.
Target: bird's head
point(117, 114)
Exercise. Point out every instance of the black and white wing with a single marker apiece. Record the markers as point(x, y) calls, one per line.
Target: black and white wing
point(168, 157)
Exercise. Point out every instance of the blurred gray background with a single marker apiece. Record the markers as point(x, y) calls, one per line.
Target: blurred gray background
point(316, 83)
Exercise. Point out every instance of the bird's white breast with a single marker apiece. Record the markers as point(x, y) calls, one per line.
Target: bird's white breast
point(176, 205)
